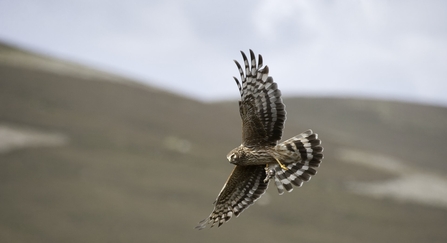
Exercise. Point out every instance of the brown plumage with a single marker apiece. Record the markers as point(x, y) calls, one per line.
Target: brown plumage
point(260, 158)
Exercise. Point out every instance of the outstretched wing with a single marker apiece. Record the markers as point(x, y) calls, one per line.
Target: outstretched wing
point(262, 110)
point(244, 186)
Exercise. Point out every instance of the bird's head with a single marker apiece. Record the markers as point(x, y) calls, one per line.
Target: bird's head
point(235, 156)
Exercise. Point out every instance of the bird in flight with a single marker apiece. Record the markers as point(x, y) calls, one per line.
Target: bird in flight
point(261, 158)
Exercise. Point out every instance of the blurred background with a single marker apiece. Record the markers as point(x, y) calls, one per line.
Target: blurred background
point(115, 118)
point(380, 49)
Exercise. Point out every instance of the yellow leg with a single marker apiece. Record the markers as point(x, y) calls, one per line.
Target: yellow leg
point(281, 164)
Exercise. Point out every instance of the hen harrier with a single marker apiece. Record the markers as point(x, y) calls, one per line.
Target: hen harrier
point(260, 157)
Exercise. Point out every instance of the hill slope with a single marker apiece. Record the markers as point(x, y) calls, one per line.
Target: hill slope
point(140, 164)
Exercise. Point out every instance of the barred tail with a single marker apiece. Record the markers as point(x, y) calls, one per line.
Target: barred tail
point(302, 154)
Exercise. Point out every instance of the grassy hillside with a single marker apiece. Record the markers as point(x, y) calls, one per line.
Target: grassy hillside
point(144, 165)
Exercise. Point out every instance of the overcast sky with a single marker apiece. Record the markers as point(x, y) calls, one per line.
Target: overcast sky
point(380, 48)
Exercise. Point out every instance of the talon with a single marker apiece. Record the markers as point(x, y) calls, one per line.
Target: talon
point(269, 173)
point(267, 178)
point(281, 164)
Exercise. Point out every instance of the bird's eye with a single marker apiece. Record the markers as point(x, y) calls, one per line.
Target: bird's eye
point(232, 157)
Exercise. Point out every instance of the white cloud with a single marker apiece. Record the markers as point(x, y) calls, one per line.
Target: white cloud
point(378, 48)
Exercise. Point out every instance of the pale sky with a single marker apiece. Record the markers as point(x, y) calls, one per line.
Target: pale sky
point(393, 49)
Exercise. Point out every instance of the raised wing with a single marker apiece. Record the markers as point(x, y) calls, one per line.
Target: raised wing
point(244, 186)
point(262, 110)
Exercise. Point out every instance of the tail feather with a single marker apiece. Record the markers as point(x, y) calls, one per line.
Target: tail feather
point(301, 154)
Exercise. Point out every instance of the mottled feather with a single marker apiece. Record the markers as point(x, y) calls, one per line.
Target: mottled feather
point(244, 186)
point(302, 154)
point(261, 108)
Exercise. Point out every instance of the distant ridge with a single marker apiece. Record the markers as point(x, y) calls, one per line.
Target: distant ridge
point(11, 55)
point(135, 164)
